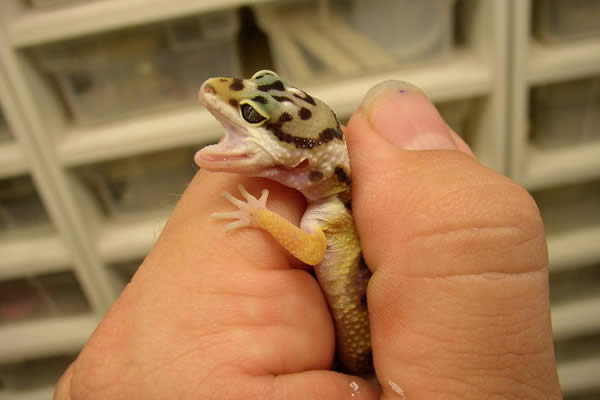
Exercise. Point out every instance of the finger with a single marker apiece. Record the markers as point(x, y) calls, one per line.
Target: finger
point(458, 300)
point(322, 385)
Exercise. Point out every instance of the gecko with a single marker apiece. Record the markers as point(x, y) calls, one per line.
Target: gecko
point(280, 132)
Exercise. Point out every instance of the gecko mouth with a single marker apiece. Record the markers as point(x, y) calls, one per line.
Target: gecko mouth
point(233, 152)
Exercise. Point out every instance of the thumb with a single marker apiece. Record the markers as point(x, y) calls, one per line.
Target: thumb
point(458, 300)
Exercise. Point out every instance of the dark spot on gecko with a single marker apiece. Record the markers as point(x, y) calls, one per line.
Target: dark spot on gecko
point(237, 84)
point(277, 85)
point(304, 113)
point(285, 117)
point(315, 176)
point(328, 134)
point(222, 79)
point(260, 99)
point(233, 103)
point(282, 99)
point(342, 176)
point(306, 97)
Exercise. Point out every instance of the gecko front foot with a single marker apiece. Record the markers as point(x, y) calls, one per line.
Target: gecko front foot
point(247, 210)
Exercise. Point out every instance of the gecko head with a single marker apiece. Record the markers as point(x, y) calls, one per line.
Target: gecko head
point(272, 130)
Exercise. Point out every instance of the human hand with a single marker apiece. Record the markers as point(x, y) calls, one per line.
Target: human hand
point(458, 300)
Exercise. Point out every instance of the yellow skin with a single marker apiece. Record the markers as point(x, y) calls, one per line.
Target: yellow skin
point(277, 131)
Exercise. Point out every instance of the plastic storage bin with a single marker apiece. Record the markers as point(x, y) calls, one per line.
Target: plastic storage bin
point(141, 183)
point(566, 113)
point(29, 375)
point(574, 284)
point(310, 39)
point(565, 20)
point(4, 131)
point(20, 205)
point(570, 207)
point(456, 114)
point(107, 76)
point(41, 296)
point(407, 29)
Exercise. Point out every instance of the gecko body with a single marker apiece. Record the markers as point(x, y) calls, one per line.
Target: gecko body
point(280, 132)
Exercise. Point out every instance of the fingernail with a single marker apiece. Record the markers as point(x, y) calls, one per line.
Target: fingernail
point(402, 113)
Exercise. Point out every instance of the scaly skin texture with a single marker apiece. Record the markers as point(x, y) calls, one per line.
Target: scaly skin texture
point(277, 131)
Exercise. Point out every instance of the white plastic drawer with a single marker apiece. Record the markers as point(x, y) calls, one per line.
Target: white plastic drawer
point(311, 39)
point(41, 296)
point(20, 205)
point(564, 20)
point(570, 207)
point(26, 376)
point(574, 283)
point(407, 29)
point(140, 183)
point(4, 131)
point(566, 113)
point(117, 74)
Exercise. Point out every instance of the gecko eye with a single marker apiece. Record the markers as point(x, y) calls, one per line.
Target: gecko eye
point(251, 115)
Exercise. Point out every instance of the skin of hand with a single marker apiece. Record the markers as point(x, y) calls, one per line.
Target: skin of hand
point(458, 300)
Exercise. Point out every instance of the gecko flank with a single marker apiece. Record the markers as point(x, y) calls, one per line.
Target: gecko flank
point(277, 131)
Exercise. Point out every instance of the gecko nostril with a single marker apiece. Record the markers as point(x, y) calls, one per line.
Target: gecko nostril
point(208, 88)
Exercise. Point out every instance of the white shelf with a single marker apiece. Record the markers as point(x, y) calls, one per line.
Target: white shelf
point(12, 159)
point(130, 238)
point(554, 166)
point(43, 393)
point(31, 26)
point(32, 254)
point(460, 76)
point(51, 336)
point(560, 62)
point(574, 249)
point(146, 133)
point(579, 375)
point(576, 318)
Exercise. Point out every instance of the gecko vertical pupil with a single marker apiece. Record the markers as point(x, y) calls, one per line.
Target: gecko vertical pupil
point(250, 114)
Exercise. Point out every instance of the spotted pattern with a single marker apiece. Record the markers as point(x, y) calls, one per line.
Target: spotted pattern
point(282, 99)
point(260, 99)
point(237, 84)
point(304, 113)
point(277, 85)
point(342, 176)
point(233, 103)
point(306, 97)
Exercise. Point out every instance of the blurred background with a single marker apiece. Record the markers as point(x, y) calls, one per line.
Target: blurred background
point(99, 122)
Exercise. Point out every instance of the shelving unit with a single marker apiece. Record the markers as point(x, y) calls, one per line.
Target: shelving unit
point(86, 239)
point(537, 63)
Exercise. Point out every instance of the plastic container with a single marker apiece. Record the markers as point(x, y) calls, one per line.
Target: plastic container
point(570, 207)
point(310, 39)
point(456, 114)
point(20, 205)
point(566, 20)
point(41, 296)
point(566, 113)
point(4, 131)
point(56, 3)
point(141, 183)
point(122, 73)
point(407, 29)
point(574, 284)
point(29, 375)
